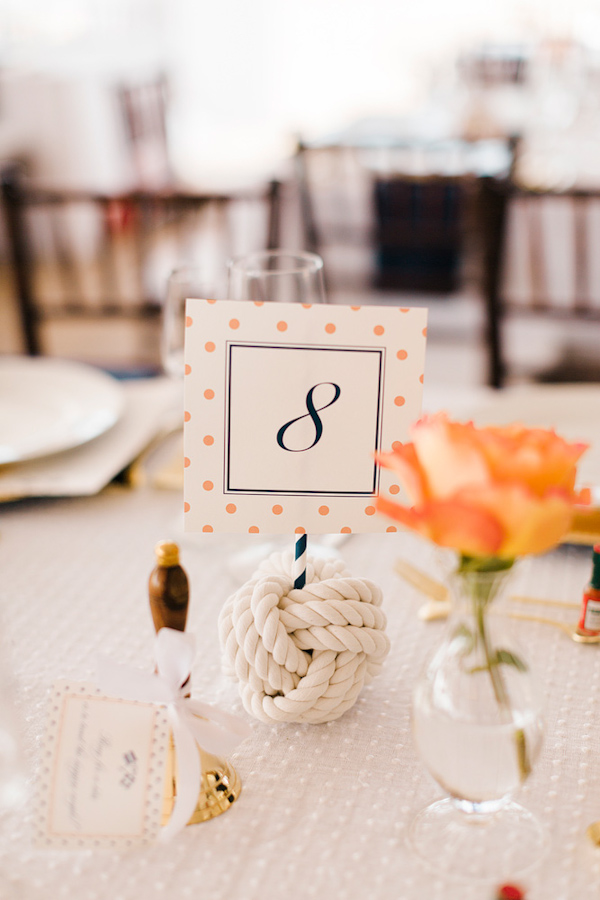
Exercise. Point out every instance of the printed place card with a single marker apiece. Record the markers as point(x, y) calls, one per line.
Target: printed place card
point(102, 773)
point(285, 408)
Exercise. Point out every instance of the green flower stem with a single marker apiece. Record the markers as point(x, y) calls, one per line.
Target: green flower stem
point(482, 596)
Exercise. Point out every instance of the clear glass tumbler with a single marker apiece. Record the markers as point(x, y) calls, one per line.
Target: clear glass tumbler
point(277, 276)
point(273, 276)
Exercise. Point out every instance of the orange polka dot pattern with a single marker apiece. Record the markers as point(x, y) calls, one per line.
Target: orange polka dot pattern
point(220, 322)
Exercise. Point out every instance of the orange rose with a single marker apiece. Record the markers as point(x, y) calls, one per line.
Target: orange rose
point(502, 491)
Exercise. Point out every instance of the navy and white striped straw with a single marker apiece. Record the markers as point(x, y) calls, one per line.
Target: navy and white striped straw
point(300, 561)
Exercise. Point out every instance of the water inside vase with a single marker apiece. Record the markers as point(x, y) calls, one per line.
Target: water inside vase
point(470, 760)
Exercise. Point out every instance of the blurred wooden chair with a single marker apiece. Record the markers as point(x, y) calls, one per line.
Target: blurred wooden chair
point(422, 226)
point(417, 232)
point(143, 106)
point(88, 257)
point(335, 198)
point(550, 267)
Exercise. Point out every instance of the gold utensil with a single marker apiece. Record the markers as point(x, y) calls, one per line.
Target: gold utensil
point(585, 528)
point(422, 582)
point(435, 609)
point(439, 592)
point(169, 477)
point(429, 612)
point(593, 832)
point(570, 630)
point(134, 475)
point(544, 601)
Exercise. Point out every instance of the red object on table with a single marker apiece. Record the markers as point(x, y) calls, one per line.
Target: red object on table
point(589, 622)
point(510, 892)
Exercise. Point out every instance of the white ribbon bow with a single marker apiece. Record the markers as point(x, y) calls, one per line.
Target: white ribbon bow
point(194, 724)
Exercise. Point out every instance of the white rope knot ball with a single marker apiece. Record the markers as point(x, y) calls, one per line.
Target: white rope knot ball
point(303, 654)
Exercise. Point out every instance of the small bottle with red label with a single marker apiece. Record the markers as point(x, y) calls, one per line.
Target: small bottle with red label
point(589, 623)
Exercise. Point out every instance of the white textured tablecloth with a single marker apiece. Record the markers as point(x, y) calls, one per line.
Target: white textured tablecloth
point(325, 809)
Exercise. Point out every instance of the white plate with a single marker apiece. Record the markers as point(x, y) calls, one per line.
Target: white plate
point(49, 405)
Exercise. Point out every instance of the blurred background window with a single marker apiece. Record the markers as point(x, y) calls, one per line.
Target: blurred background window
point(114, 96)
point(243, 78)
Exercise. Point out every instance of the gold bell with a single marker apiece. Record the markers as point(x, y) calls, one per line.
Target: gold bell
point(221, 786)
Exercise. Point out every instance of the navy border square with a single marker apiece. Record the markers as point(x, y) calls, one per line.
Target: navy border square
point(230, 346)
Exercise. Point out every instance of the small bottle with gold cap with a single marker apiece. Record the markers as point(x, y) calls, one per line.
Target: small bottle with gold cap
point(169, 596)
point(168, 589)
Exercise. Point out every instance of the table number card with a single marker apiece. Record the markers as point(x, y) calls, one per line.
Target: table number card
point(103, 770)
point(285, 407)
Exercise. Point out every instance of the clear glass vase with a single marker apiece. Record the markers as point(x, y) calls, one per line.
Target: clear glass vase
point(478, 728)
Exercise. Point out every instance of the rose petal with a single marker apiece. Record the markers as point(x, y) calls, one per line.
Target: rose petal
point(504, 490)
point(583, 496)
point(406, 515)
point(449, 456)
point(405, 463)
point(531, 456)
point(530, 524)
point(451, 524)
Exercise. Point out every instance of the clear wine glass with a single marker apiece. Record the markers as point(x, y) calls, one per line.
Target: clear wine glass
point(277, 276)
point(183, 282)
